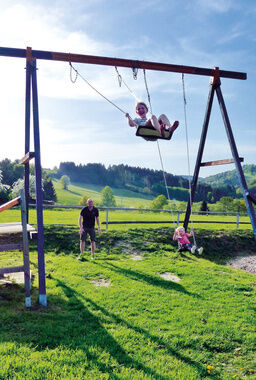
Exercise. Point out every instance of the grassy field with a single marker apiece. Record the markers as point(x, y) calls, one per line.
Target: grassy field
point(70, 216)
point(124, 198)
point(199, 325)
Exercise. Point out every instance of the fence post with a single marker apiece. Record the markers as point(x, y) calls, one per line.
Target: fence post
point(237, 220)
point(178, 218)
point(106, 218)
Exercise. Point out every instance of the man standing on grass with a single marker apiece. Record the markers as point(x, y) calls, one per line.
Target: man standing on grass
point(86, 223)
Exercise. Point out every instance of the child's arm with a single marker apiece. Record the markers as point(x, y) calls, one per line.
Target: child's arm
point(130, 121)
point(175, 235)
point(191, 232)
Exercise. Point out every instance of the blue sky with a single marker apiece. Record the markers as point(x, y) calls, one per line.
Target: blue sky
point(76, 124)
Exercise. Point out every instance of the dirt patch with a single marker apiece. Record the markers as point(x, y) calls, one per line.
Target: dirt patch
point(135, 257)
point(246, 262)
point(169, 276)
point(101, 282)
point(128, 249)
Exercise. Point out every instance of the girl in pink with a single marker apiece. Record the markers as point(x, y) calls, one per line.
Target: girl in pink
point(185, 245)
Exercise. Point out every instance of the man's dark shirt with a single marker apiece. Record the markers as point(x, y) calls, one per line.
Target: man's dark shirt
point(89, 216)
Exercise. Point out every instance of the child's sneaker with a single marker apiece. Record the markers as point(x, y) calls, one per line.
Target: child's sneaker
point(200, 251)
point(193, 249)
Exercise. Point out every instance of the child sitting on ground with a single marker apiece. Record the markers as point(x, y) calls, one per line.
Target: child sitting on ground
point(161, 124)
point(185, 245)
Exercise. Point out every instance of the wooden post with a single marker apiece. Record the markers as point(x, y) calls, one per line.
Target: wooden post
point(237, 220)
point(199, 155)
point(106, 218)
point(241, 177)
point(29, 61)
point(39, 192)
point(27, 279)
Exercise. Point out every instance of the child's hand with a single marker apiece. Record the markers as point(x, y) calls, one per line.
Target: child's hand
point(127, 115)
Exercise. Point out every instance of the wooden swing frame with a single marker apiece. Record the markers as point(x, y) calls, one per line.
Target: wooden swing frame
point(31, 57)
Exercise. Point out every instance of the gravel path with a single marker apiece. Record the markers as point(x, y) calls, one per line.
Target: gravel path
point(247, 263)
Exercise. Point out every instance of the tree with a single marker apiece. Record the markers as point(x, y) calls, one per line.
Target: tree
point(65, 181)
point(4, 191)
point(83, 200)
point(159, 202)
point(49, 193)
point(19, 185)
point(204, 207)
point(107, 197)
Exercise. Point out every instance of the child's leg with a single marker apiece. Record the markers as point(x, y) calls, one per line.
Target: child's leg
point(163, 119)
point(200, 250)
point(174, 126)
point(153, 120)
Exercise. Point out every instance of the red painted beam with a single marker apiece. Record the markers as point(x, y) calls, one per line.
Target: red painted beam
point(120, 62)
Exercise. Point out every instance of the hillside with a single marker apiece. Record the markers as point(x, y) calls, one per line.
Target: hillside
point(230, 177)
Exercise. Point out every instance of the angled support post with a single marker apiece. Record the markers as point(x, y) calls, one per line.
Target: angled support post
point(200, 150)
point(241, 177)
point(39, 192)
point(249, 200)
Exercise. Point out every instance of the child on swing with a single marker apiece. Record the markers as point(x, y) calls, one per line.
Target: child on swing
point(161, 124)
point(185, 245)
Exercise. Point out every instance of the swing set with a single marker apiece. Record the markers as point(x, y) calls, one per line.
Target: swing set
point(31, 96)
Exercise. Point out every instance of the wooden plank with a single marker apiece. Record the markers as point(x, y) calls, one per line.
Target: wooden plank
point(11, 247)
point(9, 228)
point(13, 202)
point(221, 162)
point(28, 156)
point(12, 269)
point(120, 62)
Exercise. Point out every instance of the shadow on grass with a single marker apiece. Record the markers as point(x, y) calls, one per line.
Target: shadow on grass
point(149, 279)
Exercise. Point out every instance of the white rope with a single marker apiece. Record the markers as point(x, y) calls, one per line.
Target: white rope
point(89, 84)
point(121, 80)
point(188, 159)
point(159, 152)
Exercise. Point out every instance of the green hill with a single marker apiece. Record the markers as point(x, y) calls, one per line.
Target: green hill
point(231, 178)
point(123, 197)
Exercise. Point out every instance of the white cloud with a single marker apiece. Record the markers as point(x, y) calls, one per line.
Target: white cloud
point(219, 6)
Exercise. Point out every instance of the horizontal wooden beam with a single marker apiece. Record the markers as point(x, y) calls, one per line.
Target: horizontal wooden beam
point(11, 247)
point(220, 162)
point(28, 156)
point(12, 269)
point(13, 202)
point(119, 62)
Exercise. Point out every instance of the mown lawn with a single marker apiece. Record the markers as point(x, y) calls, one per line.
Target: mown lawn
point(70, 216)
point(140, 326)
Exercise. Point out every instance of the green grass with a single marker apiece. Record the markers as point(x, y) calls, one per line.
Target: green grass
point(140, 327)
point(123, 197)
point(69, 216)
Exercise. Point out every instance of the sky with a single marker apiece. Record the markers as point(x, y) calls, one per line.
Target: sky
point(77, 124)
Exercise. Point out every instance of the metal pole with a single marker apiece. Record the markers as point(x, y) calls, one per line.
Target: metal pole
point(239, 169)
point(39, 192)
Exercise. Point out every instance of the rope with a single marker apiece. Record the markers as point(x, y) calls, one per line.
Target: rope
point(159, 152)
point(188, 159)
point(89, 84)
point(121, 80)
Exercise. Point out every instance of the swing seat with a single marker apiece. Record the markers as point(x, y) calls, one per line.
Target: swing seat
point(149, 133)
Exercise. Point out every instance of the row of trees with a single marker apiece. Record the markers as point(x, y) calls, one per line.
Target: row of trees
point(142, 180)
point(11, 181)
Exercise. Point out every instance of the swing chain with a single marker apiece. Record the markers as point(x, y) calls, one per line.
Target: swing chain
point(135, 72)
